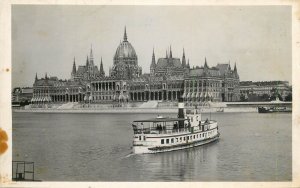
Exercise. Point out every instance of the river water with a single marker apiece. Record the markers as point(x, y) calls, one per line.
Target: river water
point(97, 147)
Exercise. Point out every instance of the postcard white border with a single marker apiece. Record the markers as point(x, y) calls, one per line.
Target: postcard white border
point(5, 92)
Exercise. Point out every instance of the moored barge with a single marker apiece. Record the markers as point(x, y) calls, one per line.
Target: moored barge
point(273, 109)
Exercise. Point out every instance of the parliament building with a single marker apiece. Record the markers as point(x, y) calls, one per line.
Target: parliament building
point(169, 78)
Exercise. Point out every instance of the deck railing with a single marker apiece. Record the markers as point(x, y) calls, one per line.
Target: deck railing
point(164, 131)
point(148, 130)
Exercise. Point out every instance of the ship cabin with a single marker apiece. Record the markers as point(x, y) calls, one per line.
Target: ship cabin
point(165, 125)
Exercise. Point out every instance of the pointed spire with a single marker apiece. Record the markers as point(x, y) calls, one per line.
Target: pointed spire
point(74, 67)
point(46, 76)
point(153, 64)
point(235, 70)
point(91, 56)
point(36, 78)
point(183, 59)
point(91, 52)
point(170, 51)
point(125, 35)
point(102, 73)
point(87, 60)
point(188, 64)
point(205, 64)
point(229, 67)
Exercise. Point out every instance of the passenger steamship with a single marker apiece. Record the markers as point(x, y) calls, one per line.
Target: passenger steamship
point(163, 134)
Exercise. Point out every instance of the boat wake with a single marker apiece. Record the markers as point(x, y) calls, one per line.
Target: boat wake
point(129, 155)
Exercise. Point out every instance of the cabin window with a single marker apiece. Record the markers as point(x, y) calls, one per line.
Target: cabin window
point(176, 139)
point(187, 138)
point(162, 141)
point(144, 137)
point(200, 135)
point(167, 141)
point(172, 140)
point(140, 138)
point(183, 138)
point(191, 137)
point(180, 139)
point(194, 136)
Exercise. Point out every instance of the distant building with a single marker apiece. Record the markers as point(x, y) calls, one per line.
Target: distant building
point(267, 88)
point(23, 94)
point(169, 78)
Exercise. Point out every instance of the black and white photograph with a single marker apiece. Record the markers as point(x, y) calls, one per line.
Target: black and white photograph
point(151, 93)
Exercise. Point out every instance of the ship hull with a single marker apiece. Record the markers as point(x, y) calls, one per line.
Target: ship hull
point(159, 149)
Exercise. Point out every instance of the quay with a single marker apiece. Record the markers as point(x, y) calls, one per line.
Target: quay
point(150, 107)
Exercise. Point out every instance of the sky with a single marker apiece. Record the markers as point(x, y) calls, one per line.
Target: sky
point(46, 38)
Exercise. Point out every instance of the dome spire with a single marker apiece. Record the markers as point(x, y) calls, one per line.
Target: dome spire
point(125, 35)
point(235, 70)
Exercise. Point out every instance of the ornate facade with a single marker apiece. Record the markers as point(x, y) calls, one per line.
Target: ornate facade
point(169, 79)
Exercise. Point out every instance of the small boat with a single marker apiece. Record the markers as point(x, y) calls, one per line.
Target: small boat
point(163, 134)
point(273, 109)
point(220, 110)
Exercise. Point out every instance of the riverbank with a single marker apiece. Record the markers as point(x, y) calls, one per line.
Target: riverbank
point(156, 107)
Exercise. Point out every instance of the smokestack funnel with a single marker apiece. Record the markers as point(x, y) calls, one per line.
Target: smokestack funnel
point(181, 112)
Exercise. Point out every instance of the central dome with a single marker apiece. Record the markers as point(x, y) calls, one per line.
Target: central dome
point(125, 61)
point(125, 52)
